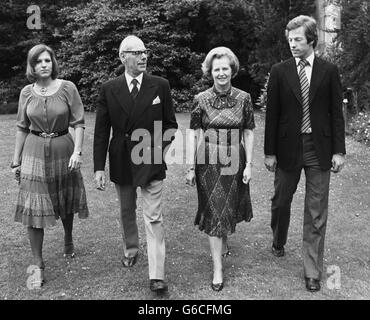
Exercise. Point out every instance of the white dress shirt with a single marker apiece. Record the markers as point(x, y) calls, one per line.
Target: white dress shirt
point(139, 79)
point(308, 68)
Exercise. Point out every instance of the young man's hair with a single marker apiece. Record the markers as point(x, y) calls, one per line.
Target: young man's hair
point(309, 25)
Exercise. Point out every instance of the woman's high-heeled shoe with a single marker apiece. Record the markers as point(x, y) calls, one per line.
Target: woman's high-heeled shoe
point(217, 286)
point(227, 252)
point(69, 250)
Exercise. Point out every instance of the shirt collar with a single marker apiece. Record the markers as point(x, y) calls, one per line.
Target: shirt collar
point(310, 59)
point(139, 79)
point(219, 94)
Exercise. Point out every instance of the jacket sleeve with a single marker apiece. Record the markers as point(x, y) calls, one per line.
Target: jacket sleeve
point(337, 119)
point(169, 119)
point(272, 113)
point(101, 131)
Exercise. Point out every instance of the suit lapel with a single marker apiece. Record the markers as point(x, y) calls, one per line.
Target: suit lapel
point(318, 72)
point(143, 100)
point(123, 94)
point(293, 79)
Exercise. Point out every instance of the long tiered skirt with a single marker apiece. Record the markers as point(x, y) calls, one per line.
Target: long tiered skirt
point(49, 190)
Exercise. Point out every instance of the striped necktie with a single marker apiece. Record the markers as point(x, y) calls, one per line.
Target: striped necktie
point(305, 89)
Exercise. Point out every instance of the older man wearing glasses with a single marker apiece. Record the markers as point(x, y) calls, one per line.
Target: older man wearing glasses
point(138, 108)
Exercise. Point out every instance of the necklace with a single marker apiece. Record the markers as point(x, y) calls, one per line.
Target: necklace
point(43, 90)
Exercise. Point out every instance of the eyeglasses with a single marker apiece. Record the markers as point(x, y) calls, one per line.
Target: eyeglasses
point(138, 53)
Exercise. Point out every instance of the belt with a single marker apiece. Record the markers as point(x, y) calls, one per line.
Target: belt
point(49, 135)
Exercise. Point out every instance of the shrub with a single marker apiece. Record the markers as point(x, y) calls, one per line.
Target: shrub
point(9, 108)
point(353, 49)
point(359, 127)
point(262, 100)
point(182, 100)
point(89, 49)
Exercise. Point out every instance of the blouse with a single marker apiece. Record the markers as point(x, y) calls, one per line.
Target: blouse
point(54, 113)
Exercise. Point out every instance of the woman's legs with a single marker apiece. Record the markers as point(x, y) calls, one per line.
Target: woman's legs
point(36, 236)
point(216, 251)
point(225, 247)
point(68, 239)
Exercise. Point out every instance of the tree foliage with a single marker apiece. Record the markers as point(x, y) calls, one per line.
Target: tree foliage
point(16, 39)
point(93, 33)
point(86, 35)
point(353, 48)
point(270, 20)
point(215, 23)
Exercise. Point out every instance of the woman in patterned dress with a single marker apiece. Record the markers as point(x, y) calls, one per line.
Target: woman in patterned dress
point(46, 160)
point(222, 124)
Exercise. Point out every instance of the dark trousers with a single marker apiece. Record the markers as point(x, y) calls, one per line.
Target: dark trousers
point(315, 208)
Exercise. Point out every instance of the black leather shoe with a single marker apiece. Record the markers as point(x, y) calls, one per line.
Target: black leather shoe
point(217, 286)
point(129, 262)
point(277, 251)
point(158, 286)
point(312, 285)
point(69, 251)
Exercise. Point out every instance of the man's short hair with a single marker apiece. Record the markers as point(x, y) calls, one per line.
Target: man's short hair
point(217, 53)
point(125, 43)
point(309, 25)
point(32, 57)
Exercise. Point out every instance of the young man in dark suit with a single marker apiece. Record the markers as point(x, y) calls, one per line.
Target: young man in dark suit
point(304, 129)
point(138, 108)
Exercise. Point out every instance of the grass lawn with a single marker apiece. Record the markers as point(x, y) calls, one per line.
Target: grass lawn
point(251, 272)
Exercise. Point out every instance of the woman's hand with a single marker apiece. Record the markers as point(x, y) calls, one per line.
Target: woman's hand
point(247, 173)
point(75, 161)
point(17, 173)
point(190, 177)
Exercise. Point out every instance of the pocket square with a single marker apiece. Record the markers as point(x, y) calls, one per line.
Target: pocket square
point(156, 100)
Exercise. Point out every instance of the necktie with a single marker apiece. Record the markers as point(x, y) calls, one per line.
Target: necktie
point(305, 88)
point(135, 90)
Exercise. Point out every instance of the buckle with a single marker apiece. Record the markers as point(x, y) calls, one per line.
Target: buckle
point(48, 135)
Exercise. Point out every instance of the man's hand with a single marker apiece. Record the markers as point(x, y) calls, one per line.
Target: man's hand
point(270, 163)
point(337, 163)
point(100, 179)
point(247, 173)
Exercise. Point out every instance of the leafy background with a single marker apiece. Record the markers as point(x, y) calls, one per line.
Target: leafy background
point(86, 35)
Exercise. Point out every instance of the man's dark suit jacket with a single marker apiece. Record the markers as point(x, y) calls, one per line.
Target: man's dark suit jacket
point(284, 114)
point(117, 110)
